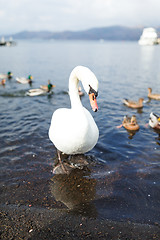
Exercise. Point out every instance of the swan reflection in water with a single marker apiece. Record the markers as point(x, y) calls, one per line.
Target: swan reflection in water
point(77, 189)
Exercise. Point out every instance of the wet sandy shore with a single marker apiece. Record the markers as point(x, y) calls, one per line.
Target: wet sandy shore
point(62, 208)
point(38, 223)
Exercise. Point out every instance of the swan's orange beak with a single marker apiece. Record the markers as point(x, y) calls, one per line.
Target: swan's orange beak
point(93, 102)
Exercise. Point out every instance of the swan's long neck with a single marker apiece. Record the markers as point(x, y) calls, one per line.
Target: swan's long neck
point(73, 91)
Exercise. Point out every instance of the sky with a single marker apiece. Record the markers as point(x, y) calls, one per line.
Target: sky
point(75, 15)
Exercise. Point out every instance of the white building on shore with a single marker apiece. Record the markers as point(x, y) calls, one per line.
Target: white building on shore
point(148, 37)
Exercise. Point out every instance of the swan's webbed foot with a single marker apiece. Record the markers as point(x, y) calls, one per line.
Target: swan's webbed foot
point(70, 163)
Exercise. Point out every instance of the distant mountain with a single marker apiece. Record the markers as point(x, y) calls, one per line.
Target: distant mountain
point(113, 33)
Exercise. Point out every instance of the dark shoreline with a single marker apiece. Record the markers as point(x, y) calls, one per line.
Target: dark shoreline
point(40, 223)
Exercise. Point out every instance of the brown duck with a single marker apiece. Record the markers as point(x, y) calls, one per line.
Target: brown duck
point(151, 95)
point(132, 104)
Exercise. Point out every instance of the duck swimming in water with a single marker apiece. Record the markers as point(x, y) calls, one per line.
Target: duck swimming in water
point(151, 95)
point(8, 75)
point(3, 82)
point(130, 123)
point(43, 90)
point(133, 104)
point(24, 80)
point(48, 87)
point(154, 121)
point(80, 91)
point(74, 131)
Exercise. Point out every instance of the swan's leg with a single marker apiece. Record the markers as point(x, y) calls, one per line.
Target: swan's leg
point(60, 161)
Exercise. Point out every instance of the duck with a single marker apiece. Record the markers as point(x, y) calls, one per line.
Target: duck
point(36, 92)
point(73, 130)
point(130, 123)
point(8, 75)
point(132, 104)
point(151, 95)
point(24, 80)
point(3, 82)
point(48, 87)
point(80, 91)
point(44, 89)
point(154, 121)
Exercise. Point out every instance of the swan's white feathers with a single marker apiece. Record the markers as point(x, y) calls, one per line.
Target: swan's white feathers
point(87, 77)
point(70, 131)
point(74, 131)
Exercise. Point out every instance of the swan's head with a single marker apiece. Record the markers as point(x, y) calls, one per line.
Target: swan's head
point(90, 84)
point(92, 97)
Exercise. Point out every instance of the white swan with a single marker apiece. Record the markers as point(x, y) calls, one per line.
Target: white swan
point(74, 131)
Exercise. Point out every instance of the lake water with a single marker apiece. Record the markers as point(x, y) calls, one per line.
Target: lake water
point(122, 179)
